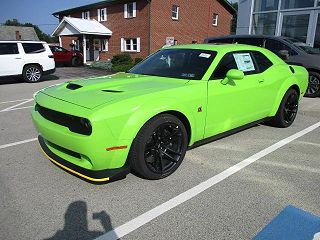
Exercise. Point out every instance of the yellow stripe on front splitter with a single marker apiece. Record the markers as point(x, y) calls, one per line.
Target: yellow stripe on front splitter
point(70, 170)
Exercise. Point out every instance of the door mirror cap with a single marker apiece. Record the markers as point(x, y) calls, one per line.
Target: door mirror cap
point(232, 75)
point(284, 54)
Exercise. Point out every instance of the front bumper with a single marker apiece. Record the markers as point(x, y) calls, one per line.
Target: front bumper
point(87, 174)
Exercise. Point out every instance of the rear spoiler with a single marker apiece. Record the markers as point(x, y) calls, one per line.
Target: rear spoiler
point(295, 63)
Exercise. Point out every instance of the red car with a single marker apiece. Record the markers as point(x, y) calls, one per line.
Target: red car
point(63, 56)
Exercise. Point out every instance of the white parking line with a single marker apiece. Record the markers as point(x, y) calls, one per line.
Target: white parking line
point(16, 105)
point(146, 217)
point(18, 143)
point(12, 101)
point(14, 109)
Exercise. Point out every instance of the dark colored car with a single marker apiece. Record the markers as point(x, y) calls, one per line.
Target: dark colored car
point(64, 56)
point(291, 50)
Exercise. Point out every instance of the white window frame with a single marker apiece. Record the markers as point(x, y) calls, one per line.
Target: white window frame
point(104, 45)
point(175, 12)
point(215, 18)
point(134, 10)
point(131, 49)
point(102, 15)
point(86, 15)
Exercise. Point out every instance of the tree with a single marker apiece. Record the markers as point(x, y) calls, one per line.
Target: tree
point(41, 35)
point(234, 18)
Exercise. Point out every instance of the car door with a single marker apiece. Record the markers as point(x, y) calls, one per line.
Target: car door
point(59, 54)
point(11, 59)
point(237, 102)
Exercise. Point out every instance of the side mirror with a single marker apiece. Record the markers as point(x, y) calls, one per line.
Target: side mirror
point(232, 75)
point(284, 54)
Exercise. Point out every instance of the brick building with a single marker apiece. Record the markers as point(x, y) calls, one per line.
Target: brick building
point(140, 27)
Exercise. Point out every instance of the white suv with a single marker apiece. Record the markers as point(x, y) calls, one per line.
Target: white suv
point(29, 59)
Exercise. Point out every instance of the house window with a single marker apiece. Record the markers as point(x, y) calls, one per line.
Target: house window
point(86, 15)
point(215, 19)
point(104, 45)
point(130, 45)
point(130, 10)
point(175, 12)
point(102, 15)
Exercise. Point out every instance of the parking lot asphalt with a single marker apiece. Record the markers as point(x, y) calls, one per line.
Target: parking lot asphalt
point(41, 201)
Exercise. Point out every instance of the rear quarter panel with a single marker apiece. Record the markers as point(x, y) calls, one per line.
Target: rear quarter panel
point(298, 79)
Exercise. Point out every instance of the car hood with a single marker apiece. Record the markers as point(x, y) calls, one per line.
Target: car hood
point(93, 92)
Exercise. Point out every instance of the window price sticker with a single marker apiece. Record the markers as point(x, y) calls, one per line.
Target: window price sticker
point(244, 62)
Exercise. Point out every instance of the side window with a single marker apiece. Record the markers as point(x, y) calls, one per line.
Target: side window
point(236, 60)
point(250, 41)
point(8, 48)
point(276, 46)
point(223, 40)
point(30, 48)
point(227, 62)
point(262, 61)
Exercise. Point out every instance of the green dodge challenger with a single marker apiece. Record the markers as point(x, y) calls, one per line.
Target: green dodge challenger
point(144, 120)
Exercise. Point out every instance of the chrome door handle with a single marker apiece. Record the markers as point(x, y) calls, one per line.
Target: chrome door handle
point(18, 58)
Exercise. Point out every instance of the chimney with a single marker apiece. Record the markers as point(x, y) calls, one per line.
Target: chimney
point(18, 36)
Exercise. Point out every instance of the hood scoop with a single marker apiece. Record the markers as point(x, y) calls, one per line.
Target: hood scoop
point(73, 86)
point(111, 91)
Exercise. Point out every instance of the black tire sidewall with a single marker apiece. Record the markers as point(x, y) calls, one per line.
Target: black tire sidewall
point(317, 93)
point(25, 76)
point(75, 62)
point(280, 113)
point(137, 160)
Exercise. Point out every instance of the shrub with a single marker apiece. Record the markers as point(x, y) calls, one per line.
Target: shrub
point(106, 65)
point(122, 67)
point(122, 59)
point(137, 60)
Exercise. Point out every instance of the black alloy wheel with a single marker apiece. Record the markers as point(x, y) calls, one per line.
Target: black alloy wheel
point(159, 147)
point(313, 89)
point(290, 108)
point(163, 150)
point(287, 110)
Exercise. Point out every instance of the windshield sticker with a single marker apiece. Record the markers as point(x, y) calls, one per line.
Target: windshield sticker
point(205, 55)
point(244, 62)
point(188, 75)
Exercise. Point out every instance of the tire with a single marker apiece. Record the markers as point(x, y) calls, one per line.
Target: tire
point(32, 73)
point(75, 62)
point(159, 148)
point(287, 111)
point(314, 85)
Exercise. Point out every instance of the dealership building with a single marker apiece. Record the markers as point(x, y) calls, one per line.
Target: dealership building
point(291, 18)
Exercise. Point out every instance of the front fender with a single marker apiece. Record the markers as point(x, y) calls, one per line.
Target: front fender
point(148, 110)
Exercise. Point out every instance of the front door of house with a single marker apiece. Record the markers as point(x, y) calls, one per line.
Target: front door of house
point(87, 50)
point(96, 50)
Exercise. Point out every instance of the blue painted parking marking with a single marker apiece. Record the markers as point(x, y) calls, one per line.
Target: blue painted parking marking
point(291, 224)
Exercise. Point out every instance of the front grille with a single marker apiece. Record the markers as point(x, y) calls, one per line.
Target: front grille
point(64, 150)
point(74, 123)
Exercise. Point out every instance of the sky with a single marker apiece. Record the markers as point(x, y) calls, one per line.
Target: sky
point(38, 12)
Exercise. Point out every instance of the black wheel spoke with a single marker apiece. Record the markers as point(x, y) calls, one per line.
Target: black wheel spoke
point(169, 157)
point(163, 150)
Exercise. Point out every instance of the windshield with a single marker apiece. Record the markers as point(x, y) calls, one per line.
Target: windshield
point(176, 63)
point(305, 47)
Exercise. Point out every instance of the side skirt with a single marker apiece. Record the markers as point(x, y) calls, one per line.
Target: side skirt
point(227, 133)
